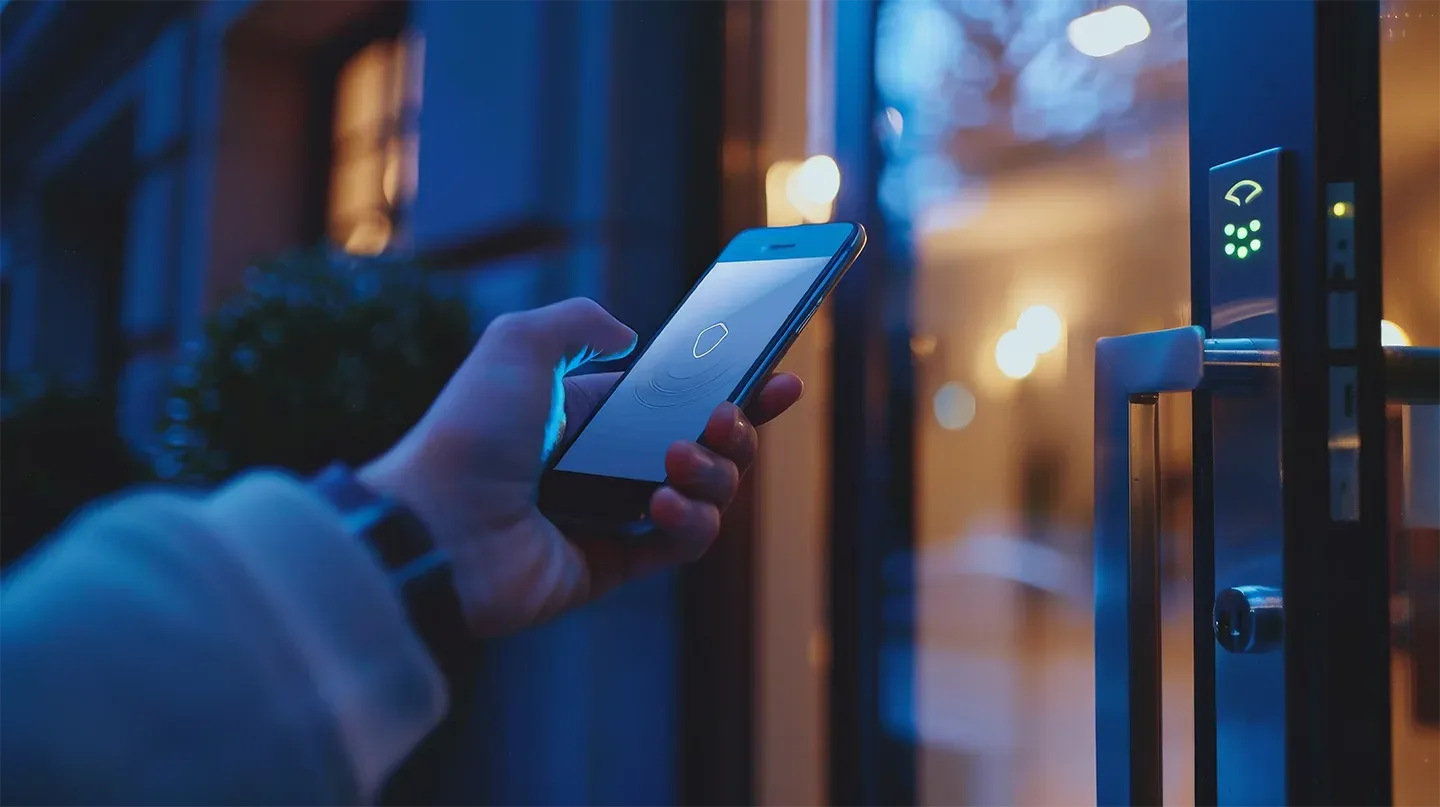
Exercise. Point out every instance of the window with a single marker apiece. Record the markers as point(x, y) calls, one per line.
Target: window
point(375, 144)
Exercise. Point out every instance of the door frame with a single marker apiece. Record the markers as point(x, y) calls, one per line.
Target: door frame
point(871, 481)
point(1307, 76)
point(717, 644)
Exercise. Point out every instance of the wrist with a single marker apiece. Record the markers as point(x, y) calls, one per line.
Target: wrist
point(421, 573)
point(383, 475)
point(405, 474)
point(395, 476)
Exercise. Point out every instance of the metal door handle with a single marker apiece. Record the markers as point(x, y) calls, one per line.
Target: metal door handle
point(1130, 374)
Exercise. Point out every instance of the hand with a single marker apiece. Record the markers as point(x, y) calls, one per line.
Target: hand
point(471, 469)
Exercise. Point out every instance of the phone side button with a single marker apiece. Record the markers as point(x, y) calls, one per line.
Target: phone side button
point(806, 322)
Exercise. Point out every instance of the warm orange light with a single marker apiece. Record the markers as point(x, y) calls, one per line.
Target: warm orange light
point(1041, 327)
point(1392, 335)
point(923, 345)
point(779, 210)
point(375, 156)
point(1014, 356)
point(813, 186)
point(369, 236)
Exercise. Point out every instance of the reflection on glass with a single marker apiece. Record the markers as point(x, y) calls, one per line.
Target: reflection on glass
point(977, 84)
point(1036, 173)
point(1414, 479)
point(1410, 154)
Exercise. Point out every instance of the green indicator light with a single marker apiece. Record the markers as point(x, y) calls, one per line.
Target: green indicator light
point(1254, 225)
point(1243, 252)
point(1229, 249)
point(1254, 244)
point(1242, 232)
point(1229, 229)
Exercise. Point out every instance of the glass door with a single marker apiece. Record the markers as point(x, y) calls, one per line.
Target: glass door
point(1307, 664)
point(1026, 166)
point(1410, 334)
point(1136, 266)
point(1289, 579)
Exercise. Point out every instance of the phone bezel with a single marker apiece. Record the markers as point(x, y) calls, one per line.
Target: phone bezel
point(616, 501)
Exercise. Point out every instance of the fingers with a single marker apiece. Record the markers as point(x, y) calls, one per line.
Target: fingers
point(509, 388)
point(701, 482)
point(703, 479)
point(729, 434)
point(701, 474)
point(710, 473)
point(690, 526)
point(564, 335)
point(779, 393)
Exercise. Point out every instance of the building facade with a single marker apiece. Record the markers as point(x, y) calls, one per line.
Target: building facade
point(153, 151)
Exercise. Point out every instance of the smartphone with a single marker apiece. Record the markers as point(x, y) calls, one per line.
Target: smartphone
point(720, 344)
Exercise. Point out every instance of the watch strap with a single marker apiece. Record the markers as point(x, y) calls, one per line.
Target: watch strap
point(421, 573)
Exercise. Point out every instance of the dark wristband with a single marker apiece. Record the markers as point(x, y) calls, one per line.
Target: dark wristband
point(421, 573)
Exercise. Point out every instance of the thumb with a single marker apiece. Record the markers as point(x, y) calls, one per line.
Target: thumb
point(517, 370)
point(562, 336)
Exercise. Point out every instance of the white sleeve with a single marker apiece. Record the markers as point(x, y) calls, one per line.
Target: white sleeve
point(238, 647)
point(342, 616)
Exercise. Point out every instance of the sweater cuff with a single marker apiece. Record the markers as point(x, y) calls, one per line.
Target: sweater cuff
point(342, 614)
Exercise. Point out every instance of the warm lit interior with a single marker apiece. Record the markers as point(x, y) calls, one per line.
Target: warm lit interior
point(375, 153)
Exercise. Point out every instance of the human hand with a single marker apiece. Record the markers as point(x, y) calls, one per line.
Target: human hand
point(471, 468)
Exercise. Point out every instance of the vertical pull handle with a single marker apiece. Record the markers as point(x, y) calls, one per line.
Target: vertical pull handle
point(1130, 372)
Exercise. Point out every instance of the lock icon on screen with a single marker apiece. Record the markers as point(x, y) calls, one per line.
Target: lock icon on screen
point(709, 339)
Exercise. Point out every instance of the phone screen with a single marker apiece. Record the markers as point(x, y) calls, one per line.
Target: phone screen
point(695, 363)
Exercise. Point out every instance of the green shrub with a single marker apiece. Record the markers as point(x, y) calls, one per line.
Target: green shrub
point(321, 358)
